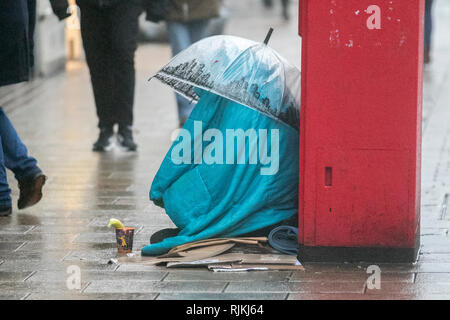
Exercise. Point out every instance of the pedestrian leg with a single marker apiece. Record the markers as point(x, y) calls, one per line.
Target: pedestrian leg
point(5, 192)
point(285, 5)
point(96, 35)
point(268, 3)
point(198, 29)
point(15, 157)
point(124, 32)
point(15, 153)
point(180, 39)
point(179, 36)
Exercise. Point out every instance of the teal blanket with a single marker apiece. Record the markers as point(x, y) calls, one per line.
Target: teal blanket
point(231, 171)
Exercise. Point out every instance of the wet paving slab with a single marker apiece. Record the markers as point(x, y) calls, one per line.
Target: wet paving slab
point(10, 246)
point(350, 296)
point(89, 276)
point(53, 265)
point(327, 277)
point(21, 288)
point(91, 296)
point(38, 246)
point(143, 286)
point(222, 296)
point(417, 290)
point(12, 276)
point(294, 287)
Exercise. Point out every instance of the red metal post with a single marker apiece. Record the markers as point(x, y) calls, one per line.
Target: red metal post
point(360, 138)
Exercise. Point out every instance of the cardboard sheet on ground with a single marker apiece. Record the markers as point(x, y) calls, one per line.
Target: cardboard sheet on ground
point(241, 258)
point(197, 250)
point(210, 242)
point(208, 197)
point(212, 253)
point(183, 256)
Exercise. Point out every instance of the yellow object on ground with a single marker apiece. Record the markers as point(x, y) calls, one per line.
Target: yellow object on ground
point(115, 223)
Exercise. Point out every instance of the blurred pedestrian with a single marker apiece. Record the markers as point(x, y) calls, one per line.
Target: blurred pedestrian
point(284, 7)
point(17, 22)
point(187, 22)
point(428, 29)
point(109, 29)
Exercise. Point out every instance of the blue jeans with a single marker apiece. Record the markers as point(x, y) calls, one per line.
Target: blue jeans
point(428, 22)
point(181, 36)
point(14, 156)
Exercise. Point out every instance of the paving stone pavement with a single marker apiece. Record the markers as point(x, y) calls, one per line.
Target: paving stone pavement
point(57, 121)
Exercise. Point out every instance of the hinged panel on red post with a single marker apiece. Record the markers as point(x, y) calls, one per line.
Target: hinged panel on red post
point(360, 134)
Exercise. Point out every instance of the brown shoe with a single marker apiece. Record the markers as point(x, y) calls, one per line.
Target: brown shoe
point(4, 212)
point(31, 191)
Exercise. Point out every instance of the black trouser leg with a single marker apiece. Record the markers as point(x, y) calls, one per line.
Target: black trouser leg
point(268, 3)
point(285, 4)
point(428, 23)
point(124, 34)
point(96, 34)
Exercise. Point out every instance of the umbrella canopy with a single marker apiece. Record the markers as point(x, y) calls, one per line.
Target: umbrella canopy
point(247, 72)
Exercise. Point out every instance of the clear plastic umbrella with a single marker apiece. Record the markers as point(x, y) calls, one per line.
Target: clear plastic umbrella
point(241, 70)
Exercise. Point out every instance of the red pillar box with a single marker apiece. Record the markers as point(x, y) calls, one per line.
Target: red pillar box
point(362, 72)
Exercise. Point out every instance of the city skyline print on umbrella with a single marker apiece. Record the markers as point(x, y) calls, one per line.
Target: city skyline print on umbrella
point(241, 70)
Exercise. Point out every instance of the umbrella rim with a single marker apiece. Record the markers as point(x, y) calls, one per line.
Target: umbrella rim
point(216, 93)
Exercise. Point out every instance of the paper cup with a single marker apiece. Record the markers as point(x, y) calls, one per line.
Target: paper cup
point(124, 238)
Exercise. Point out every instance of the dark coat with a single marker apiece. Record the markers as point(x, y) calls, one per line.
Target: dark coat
point(61, 7)
point(106, 3)
point(155, 9)
point(17, 22)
